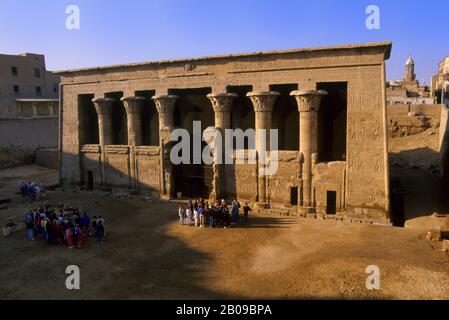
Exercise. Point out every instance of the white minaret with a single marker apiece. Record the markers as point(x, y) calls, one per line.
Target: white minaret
point(409, 70)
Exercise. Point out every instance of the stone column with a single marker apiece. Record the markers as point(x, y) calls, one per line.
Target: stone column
point(165, 105)
point(308, 106)
point(263, 103)
point(134, 107)
point(222, 105)
point(104, 108)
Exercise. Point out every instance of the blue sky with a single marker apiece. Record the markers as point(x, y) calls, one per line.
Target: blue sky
point(120, 31)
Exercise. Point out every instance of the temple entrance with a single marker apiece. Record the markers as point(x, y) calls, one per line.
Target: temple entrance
point(294, 196)
point(193, 180)
point(331, 202)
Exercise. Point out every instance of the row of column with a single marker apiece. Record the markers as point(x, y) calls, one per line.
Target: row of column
point(263, 102)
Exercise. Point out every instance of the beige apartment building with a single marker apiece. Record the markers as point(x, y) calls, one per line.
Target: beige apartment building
point(29, 102)
point(328, 104)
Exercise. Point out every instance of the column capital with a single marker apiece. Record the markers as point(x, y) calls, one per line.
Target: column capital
point(133, 104)
point(222, 102)
point(263, 101)
point(165, 103)
point(308, 100)
point(104, 105)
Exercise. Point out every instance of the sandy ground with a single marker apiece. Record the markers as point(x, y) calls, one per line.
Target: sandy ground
point(148, 255)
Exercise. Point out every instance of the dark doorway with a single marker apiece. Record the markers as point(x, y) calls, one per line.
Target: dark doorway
point(150, 119)
point(332, 122)
point(286, 117)
point(397, 202)
point(119, 120)
point(193, 180)
point(331, 202)
point(242, 115)
point(90, 180)
point(294, 196)
point(88, 120)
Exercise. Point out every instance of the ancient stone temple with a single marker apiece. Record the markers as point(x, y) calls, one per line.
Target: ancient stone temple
point(327, 103)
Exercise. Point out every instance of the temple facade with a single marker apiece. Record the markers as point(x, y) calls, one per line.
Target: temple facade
point(328, 105)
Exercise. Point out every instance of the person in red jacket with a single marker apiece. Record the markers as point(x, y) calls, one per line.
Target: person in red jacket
point(69, 238)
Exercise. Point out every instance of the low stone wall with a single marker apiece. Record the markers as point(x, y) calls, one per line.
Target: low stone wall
point(12, 157)
point(48, 158)
point(401, 122)
point(428, 110)
point(29, 134)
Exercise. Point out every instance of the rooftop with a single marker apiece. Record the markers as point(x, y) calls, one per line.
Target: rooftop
point(386, 45)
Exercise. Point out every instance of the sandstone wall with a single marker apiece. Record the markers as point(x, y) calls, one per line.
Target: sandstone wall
point(288, 175)
point(363, 184)
point(118, 170)
point(329, 177)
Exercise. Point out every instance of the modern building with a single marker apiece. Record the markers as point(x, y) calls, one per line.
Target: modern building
point(440, 82)
point(328, 104)
point(29, 102)
point(27, 89)
point(408, 90)
point(440, 86)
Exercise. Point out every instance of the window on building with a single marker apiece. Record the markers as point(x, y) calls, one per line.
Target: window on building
point(14, 71)
point(38, 91)
point(37, 72)
point(16, 90)
point(55, 88)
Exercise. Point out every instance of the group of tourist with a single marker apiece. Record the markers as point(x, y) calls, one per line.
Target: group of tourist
point(33, 190)
point(67, 226)
point(201, 214)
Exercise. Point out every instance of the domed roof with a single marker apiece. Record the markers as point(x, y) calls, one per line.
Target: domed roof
point(409, 61)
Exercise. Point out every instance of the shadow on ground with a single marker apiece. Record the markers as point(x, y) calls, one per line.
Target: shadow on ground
point(416, 191)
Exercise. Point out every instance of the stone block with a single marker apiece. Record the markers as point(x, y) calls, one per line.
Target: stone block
point(433, 235)
point(446, 245)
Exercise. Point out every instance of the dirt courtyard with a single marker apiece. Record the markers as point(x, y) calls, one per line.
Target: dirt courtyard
point(147, 255)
